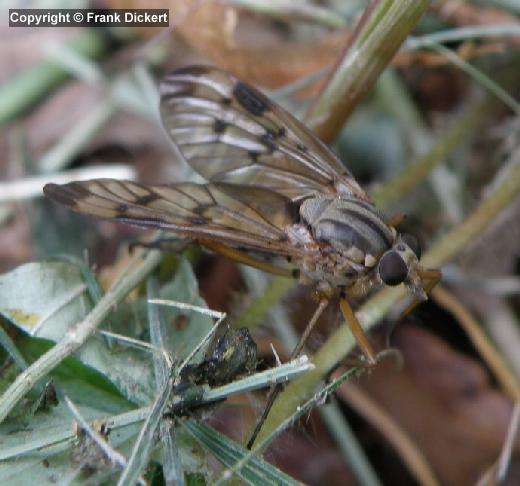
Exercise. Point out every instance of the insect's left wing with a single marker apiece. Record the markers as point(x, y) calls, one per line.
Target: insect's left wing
point(229, 131)
point(238, 216)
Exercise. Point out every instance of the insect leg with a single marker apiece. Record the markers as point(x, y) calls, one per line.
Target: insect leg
point(432, 275)
point(357, 330)
point(431, 278)
point(242, 257)
point(275, 390)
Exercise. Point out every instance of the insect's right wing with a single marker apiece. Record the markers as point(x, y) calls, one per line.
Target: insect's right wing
point(238, 216)
point(229, 131)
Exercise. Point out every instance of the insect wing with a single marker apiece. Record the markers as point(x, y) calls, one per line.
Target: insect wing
point(229, 131)
point(239, 216)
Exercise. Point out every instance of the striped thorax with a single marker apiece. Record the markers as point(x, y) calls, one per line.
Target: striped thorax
point(348, 235)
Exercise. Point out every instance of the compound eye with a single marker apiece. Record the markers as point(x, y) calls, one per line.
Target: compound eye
point(413, 243)
point(392, 268)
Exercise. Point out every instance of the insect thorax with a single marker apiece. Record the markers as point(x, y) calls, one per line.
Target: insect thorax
point(351, 234)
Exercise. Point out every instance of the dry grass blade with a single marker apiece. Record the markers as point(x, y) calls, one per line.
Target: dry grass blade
point(403, 444)
point(496, 474)
point(489, 353)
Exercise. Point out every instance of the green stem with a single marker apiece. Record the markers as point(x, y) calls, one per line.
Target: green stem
point(372, 50)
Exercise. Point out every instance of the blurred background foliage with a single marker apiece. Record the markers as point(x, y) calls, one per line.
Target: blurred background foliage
point(437, 134)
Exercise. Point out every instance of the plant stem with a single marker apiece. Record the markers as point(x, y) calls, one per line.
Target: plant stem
point(373, 47)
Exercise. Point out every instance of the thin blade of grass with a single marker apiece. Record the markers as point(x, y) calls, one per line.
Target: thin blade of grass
point(255, 471)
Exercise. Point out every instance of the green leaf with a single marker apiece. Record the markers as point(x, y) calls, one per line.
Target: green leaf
point(228, 452)
point(45, 299)
point(84, 384)
point(43, 449)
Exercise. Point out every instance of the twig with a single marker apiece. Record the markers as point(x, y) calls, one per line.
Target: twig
point(115, 457)
point(278, 374)
point(480, 77)
point(173, 469)
point(142, 447)
point(461, 34)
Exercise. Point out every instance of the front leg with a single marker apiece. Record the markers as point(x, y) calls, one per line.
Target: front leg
point(357, 330)
point(430, 278)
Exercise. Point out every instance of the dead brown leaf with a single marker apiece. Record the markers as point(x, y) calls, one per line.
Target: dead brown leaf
point(446, 402)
